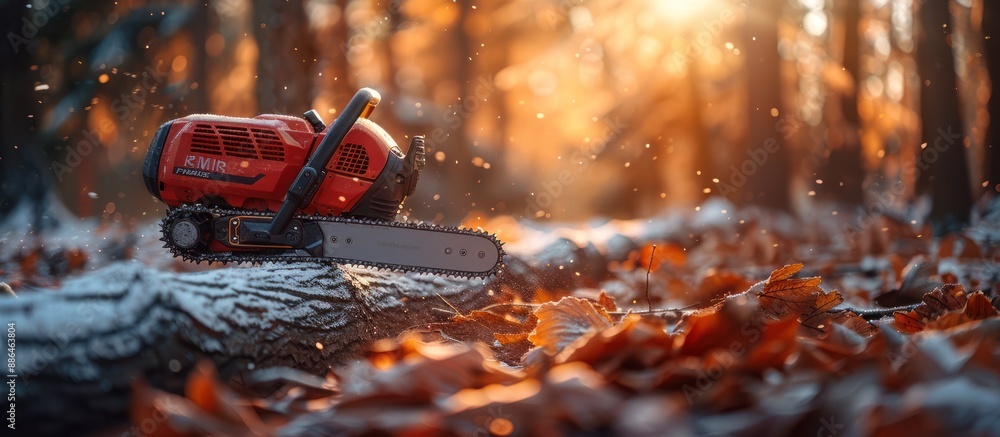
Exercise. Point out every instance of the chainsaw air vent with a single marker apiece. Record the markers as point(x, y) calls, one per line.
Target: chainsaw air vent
point(204, 140)
point(239, 142)
point(352, 160)
point(269, 145)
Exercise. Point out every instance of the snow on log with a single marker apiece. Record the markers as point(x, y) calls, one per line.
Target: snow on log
point(79, 347)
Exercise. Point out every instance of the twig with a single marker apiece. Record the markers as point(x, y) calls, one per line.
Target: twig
point(448, 303)
point(875, 313)
point(510, 304)
point(610, 313)
point(649, 303)
point(652, 311)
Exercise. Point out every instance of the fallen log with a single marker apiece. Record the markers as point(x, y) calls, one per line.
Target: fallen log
point(79, 347)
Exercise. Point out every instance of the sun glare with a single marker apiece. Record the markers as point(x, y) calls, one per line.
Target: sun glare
point(681, 11)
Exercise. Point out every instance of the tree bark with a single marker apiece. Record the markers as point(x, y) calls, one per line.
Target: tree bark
point(942, 128)
point(79, 347)
point(768, 185)
point(991, 50)
point(285, 57)
point(843, 169)
point(23, 174)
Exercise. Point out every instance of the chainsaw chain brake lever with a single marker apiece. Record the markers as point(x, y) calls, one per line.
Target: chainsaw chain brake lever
point(315, 120)
point(308, 181)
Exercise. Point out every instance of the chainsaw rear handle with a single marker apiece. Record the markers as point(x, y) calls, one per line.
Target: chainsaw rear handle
point(308, 180)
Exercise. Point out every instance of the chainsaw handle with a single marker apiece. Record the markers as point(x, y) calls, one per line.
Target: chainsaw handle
point(309, 179)
point(360, 106)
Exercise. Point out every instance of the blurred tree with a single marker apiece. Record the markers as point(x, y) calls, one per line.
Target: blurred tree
point(991, 50)
point(843, 122)
point(23, 173)
point(203, 22)
point(286, 57)
point(75, 81)
point(947, 172)
point(331, 42)
point(462, 181)
point(768, 185)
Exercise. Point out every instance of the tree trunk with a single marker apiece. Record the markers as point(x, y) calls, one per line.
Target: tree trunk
point(286, 57)
point(331, 76)
point(462, 178)
point(768, 184)
point(991, 49)
point(79, 347)
point(843, 166)
point(23, 173)
point(947, 172)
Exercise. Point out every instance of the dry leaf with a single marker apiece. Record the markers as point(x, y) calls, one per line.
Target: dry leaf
point(562, 322)
point(717, 284)
point(607, 302)
point(979, 307)
point(782, 293)
point(819, 315)
point(505, 334)
point(933, 306)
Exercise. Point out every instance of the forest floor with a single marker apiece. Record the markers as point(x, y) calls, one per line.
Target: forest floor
point(713, 321)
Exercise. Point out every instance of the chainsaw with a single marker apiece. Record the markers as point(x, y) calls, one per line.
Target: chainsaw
point(277, 188)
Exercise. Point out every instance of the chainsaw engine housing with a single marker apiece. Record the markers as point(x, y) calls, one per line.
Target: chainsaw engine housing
point(249, 163)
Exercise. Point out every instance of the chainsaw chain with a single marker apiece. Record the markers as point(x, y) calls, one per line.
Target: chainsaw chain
point(257, 258)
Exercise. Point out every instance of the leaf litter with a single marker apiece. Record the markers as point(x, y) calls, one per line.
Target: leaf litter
point(889, 335)
point(782, 357)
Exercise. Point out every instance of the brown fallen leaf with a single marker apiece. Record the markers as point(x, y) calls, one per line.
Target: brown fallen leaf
point(949, 297)
point(505, 334)
point(908, 322)
point(855, 323)
point(977, 307)
point(777, 342)
point(572, 394)
point(607, 302)
point(421, 369)
point(721, 283)
point(818, 318)
point(735, 320)
point(562, 322)
point(209, 408)
point(782, 293)
point(635, 343)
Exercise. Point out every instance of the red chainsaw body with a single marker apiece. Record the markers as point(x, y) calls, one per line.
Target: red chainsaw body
point(249, 163)
point(244, 184)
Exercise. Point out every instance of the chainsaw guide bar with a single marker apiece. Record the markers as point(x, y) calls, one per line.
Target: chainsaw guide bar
point(387, 245)
point(306, 191)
